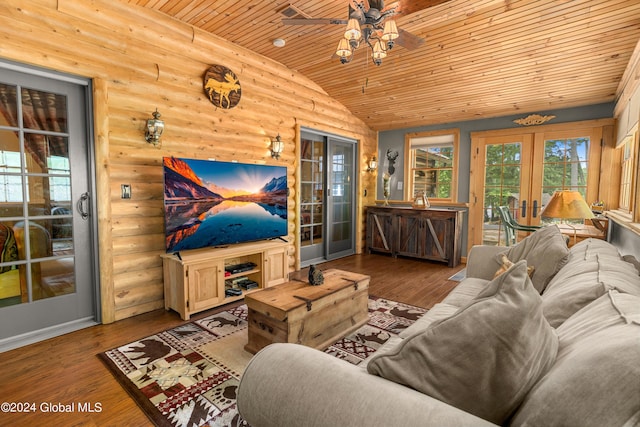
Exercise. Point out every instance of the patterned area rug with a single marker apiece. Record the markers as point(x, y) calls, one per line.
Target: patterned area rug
point(187, 376)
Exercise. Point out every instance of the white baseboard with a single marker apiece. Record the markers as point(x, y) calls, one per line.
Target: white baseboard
point(46, 333)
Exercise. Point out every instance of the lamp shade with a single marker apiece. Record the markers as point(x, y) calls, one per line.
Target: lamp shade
point(379, 52)
point(567, 205)
point(390, 30)
point(353, 31)
point(344, 48)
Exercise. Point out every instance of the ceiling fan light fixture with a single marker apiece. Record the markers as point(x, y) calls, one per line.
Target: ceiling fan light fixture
point(390, 31)
point(353, 31)
point(344, 48)
point(379, 52)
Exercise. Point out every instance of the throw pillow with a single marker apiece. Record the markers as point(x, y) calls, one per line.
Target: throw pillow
point(593, 269)
point(595, 380)
point(485, 357)
point(546, 249)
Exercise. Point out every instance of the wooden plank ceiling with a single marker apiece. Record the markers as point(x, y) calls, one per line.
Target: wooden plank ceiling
point(481, 58)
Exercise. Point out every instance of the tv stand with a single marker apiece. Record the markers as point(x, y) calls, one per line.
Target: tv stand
point(196, 280)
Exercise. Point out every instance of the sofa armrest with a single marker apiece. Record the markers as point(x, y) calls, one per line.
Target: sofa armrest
point(482, 262)
point(292, 385)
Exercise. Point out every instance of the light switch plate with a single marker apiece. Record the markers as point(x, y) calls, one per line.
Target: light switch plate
point(126, 191)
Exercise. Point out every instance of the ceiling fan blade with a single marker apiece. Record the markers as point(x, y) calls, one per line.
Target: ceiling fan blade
point(409, 41)
point(313, 21)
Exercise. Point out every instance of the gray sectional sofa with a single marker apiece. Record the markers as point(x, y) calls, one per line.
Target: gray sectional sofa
point(559, 347)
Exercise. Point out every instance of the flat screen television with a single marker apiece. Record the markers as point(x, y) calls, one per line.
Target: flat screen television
point(211, 203)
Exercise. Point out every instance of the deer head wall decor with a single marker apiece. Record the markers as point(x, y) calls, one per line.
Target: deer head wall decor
point(392, 156)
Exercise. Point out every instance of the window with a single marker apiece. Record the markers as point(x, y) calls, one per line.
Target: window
point(59, 186)
point(626, 176)
point(432, 164)
point(10, 178)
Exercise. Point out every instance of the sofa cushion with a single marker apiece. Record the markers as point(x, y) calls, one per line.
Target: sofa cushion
point(439, 311)
point(546, 250)
point(633, 261)
point(596, 378)
point(485, 357)
point(593, 268)
point(467, 290)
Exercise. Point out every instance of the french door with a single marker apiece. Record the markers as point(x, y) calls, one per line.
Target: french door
point(47, 281)
point(523, 169)
point(327, 197)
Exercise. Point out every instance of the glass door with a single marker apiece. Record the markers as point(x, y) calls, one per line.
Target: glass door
point(522, 171)
point(569, 162)
point(327, 197)
point(340, 199)
point(312, 190)
point(45, 234)
point(504, 163)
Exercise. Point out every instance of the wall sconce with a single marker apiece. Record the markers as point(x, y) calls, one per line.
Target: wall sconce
point(277, 146)
point(372, 165)
point(155, 127)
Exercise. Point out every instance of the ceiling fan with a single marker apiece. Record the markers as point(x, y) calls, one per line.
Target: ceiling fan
point(369, 23)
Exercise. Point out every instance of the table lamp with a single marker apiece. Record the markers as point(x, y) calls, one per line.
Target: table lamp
point(566, 204)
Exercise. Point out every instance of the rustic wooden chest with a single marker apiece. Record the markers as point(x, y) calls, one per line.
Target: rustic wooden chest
point(315, 316)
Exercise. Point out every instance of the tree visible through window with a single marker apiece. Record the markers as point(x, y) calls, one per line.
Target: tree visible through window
point(565, 167)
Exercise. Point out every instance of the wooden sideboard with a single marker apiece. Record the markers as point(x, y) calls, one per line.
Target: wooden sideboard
point(433, 234)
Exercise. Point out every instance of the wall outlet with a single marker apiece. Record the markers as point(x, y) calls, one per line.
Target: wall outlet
point(399, 185)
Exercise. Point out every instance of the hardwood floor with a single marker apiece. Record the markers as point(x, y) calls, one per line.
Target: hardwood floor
point(62, 371)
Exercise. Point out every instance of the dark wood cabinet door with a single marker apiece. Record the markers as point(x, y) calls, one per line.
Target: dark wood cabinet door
point(410, 240)
point(380, 232)
point(438, 237)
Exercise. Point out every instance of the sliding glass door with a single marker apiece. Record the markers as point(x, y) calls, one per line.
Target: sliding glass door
point(340, 200)
point(327, 197)
point(312, 197)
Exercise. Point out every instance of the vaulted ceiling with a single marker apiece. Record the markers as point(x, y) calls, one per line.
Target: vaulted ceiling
point(481, 58)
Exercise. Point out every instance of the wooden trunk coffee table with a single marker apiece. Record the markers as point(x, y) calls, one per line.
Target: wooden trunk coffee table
point(315, 316)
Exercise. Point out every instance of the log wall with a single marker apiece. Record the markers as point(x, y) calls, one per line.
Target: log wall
point(140, 60)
